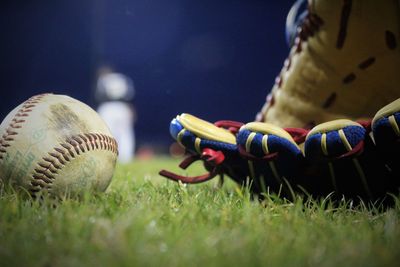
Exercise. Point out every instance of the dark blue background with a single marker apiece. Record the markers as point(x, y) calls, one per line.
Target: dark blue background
point(216, 59)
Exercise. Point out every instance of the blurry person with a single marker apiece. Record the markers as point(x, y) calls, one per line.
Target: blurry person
point(114, 93)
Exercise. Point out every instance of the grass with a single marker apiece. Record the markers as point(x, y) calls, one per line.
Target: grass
point(144, 220)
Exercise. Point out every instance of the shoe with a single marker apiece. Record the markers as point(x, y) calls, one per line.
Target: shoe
point(343, 64)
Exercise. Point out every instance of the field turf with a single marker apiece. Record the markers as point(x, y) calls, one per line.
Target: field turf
point(145, 220)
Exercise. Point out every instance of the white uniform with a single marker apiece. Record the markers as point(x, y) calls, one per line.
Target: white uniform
point(118, 114)
point(120, 118)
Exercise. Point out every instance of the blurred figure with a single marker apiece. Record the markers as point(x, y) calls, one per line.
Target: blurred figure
point(114, 93)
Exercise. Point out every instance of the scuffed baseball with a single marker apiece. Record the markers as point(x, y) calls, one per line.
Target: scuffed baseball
point(54, 144)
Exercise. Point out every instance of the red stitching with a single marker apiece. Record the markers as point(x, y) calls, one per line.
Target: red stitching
point(309, 27)
point(47, 169)
point(16, 122)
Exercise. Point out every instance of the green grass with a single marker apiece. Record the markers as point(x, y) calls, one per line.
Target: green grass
point(144, 220)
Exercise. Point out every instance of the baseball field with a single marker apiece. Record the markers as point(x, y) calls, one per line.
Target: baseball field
point(145, 220)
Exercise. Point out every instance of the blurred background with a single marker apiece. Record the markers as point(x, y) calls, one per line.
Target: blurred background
point(214, 59)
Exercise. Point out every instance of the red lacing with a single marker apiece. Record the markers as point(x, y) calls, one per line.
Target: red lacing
point(357, 150)
point(298, 134)
point(366, 124)
point(247, 155)
point(311, 24)
point(214, 159)
point(211, 157)
point(232, 126)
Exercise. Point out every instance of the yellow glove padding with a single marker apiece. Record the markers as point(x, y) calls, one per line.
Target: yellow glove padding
point(345, 63)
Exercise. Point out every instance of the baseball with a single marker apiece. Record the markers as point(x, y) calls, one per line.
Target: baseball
point(56, 145)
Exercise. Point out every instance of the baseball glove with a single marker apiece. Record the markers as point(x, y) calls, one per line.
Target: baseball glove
point(343, 63)
point(337, 91)
point(339, 156)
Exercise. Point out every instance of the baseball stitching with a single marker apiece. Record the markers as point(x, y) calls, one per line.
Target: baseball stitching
point(48, 167)
point(17, 121)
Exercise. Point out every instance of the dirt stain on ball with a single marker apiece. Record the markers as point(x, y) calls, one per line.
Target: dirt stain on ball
point(63, 119)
